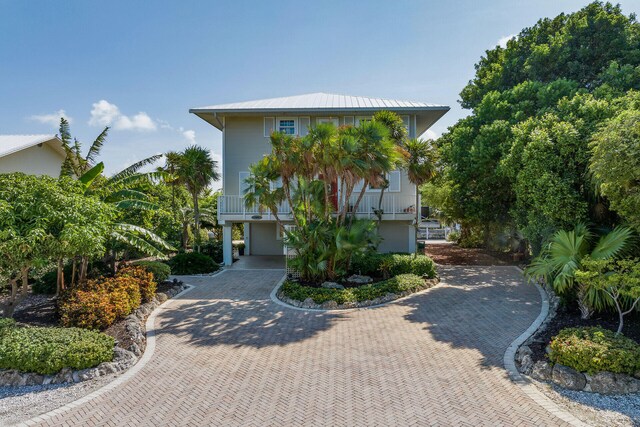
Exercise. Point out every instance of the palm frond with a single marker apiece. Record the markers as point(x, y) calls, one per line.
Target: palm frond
point(612, 244)
point(136, 204)
point(94, 150)
point(134, 168)
point(137, 243)
point(146, 234)
point(89, 176)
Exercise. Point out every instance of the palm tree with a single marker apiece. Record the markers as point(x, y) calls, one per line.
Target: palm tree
point(196, 170)
point(562, 257)
point(421, 168)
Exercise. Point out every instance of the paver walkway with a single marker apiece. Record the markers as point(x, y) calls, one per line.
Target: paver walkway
point(228, 356)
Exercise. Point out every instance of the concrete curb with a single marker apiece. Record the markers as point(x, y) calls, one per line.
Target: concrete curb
point(148, 353)
point(524, 383)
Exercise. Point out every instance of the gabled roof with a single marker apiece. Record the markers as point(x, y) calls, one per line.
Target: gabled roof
point(320, 101)
point(10, 144)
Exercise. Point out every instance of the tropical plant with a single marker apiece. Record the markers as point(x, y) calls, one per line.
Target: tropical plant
point(562, 257)
point(196, 170)
point(618, 279)
point(43, 220)
point(421, 168)
point(318, 176)
point(124, 190)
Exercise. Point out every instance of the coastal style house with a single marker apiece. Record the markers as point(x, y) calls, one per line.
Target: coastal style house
point(31, 154)
point(246, 127)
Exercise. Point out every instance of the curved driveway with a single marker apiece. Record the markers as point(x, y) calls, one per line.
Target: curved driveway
point(226, 355)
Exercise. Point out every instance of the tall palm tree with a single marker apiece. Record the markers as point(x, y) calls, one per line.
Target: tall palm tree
point(562, 257)
point(196, 170)
point(421, 168)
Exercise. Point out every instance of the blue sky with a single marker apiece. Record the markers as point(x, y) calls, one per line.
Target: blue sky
point(139, 66)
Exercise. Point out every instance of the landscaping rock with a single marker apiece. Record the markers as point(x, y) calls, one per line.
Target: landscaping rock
point(33, 379)
point(161, 297)
point(359, 279)
point(610, 383)
point(86, 374)
point(330, 305)
point(64, 376)
point(332, 285)
point(526, 364)
point(568, 378)
point(541, 370)
point(11, 378)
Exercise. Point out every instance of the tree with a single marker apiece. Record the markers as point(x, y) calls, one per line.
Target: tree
point(615, 163)
point(196, 170)
point(420, 166)
point(521, 158)
point(563, 256)
point(618, 279)
point(43, 220)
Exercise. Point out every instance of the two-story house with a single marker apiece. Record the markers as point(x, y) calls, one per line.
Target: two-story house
point(246, 127)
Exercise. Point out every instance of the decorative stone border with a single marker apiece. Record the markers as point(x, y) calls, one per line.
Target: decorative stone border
point(309, 304)
point(123, 358)
point(524, 382)
point(566, 377)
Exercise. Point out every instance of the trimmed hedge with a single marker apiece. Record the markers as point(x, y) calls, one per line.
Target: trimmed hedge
point(374, 264)
point(48, 350)
point(395, 285)
point(160, 270)
point(594, 350)
point(192, 263)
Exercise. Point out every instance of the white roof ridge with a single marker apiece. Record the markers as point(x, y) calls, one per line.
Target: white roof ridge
point(12, 143)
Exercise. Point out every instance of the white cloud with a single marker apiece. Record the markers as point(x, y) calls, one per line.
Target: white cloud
point(51, 119)
point(190, 136)
point(104, 113)
point(502, 42)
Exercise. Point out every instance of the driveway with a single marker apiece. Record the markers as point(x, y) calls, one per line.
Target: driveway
point(226, 355)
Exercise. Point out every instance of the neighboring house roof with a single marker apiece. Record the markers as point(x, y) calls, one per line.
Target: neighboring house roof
point(10, 144)
point(322, 103)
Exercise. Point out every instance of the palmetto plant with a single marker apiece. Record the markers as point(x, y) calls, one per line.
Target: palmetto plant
point(563, 255)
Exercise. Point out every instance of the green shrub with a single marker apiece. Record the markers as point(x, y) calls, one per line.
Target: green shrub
point(395, 285)
point(374, 264)
point(48, 350)
point(160, 270)
point(453, 236)
point(46, 284)
point(192, 263)
point(213, 248)
point(595, 349)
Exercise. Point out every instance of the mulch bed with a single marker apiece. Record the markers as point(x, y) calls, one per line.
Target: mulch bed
point(452, 254)
point(40, 314)
point(569, 317)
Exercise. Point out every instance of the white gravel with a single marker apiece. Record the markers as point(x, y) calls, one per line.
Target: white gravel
point(596, 409)
point(18, 404)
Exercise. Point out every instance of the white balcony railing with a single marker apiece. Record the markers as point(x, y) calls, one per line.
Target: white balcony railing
point(233, 206)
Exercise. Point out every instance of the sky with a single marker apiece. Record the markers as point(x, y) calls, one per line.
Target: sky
point(139, 66)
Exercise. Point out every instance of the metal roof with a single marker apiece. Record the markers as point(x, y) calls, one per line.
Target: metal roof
point(319, 101)
point(10, 144)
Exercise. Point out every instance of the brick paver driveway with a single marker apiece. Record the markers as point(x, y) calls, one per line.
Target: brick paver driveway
point(227, 355)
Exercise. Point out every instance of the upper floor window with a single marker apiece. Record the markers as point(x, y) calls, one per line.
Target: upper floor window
point(287, 125)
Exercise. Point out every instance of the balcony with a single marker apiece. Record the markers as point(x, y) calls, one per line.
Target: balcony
point(394, 207)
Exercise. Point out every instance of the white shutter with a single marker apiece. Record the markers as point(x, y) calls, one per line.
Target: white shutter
point(348, 120)
point(305, 124)
point(394, 182)
point(242, 185)
point(405, 120)
point(269, 126)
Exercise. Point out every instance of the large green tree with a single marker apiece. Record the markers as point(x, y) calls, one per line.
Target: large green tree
point(521, 158)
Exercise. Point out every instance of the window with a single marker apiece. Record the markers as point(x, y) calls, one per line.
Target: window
point(394, 183)
point(362, 120)
point(348, 120)
point(287, 125)
point(334, 120)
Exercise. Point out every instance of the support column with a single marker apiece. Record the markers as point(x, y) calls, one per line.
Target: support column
point(227, 244)
point(247, 238)
point(412, 239)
